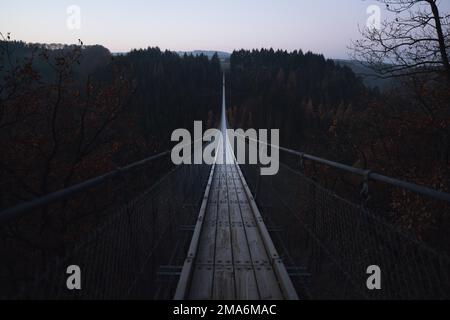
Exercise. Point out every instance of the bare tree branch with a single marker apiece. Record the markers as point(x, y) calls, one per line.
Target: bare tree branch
point(415, 42)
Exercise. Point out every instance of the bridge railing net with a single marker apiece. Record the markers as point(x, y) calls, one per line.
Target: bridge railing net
point(328, 241)
point(127, 235)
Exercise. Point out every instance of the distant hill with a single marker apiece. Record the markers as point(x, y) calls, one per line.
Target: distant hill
point(209, 53)
point(368, 75)
point(93, 57)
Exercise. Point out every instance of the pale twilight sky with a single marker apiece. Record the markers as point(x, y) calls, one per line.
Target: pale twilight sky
point(323, 26)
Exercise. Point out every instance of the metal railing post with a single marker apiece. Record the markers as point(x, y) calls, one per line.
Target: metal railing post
point(365, 197)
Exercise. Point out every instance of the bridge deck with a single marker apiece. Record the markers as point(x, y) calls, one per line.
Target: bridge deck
point(232, 262)
point(231, 256)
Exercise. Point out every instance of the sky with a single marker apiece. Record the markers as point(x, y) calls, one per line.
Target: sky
point(321, 26)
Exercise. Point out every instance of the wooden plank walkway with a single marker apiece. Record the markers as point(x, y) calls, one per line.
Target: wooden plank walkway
point(231, 259)
point(231, 256)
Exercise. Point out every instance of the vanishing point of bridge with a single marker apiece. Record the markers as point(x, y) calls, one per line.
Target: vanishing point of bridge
point(150, 230)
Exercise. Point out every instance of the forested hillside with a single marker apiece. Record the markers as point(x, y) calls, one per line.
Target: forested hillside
point(323, 109)
point(69, 113)
point(172, 91)
point(295, 92)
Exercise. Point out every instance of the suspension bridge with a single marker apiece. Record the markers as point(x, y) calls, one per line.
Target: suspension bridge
point(231, 255)
point(222, 231)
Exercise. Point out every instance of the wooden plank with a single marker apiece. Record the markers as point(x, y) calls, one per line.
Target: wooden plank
point(186, 274)
point(256, 246)
point(223, 237)
point(202, 283)
point(203, 274)
point(215, 185)
point(284, 279)
point(266, 280)
point(223, 244)
point(224, 282)
point(207, 247)
point(268, 286)
point(223, 213)
point(233, 201)
point(223, 288)
point(246, 211)
point(279, 268)
point(245, 281)
point(241, 252)
point(231, 254)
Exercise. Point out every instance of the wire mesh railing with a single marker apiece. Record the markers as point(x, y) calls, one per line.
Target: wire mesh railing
point(329, 240)
point(126, 231)
point(129, 230)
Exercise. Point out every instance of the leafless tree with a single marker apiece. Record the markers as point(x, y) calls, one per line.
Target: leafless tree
point(414, 41)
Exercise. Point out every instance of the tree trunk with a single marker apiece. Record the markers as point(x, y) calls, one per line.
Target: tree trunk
point(441, 38)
